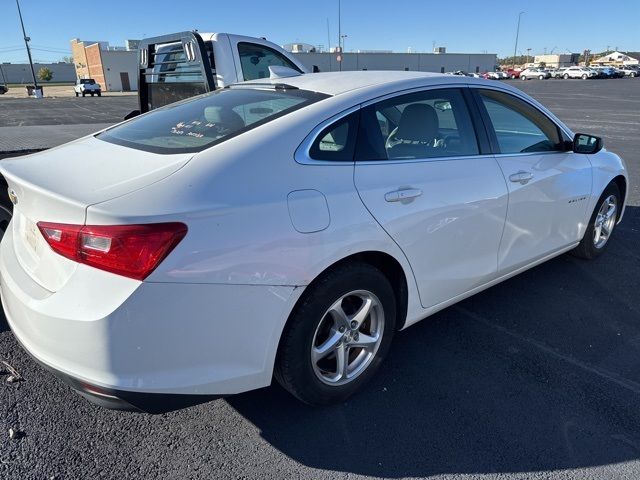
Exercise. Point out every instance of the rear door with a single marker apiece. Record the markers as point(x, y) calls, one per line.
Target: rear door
point(426, 177)
point(549, 186)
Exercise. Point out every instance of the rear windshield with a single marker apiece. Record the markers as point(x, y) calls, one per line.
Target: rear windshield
point(88, 81)
point(201, 122)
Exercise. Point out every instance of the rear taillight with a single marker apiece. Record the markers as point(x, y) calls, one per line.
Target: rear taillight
point(130, 250)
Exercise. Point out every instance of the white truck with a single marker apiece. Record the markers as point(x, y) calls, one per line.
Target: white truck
point(86, 86)
point(180, 65)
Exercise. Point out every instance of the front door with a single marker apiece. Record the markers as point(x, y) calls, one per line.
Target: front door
point(421, 174)
point(549, 187)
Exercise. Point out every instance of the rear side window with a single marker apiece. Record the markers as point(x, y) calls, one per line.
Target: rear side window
point(337, 141)
point(255, 60)
point(429, 124)
point(520, 127)
point(199, 123)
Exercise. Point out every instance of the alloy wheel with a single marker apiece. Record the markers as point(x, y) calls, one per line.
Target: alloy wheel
point(347, 337)
point(605, 221)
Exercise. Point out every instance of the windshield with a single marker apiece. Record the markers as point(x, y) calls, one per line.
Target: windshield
point(201, 122)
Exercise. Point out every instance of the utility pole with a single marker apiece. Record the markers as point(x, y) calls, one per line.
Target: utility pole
point(26, 42)
point(528, 51)
point(515, 49)
point(340, 34)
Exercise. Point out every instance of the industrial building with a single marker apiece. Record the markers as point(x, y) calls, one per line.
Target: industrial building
point(422, 62)
point(115, 68)
point(21, 72)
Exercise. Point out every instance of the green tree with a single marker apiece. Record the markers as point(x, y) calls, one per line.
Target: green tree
point(45, 74)
point(67, 59)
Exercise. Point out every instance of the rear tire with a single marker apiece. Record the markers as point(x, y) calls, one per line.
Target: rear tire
point(584, 76)
point(566, 76)
point(604, 217)
point(522, 77)
point(541, 77)
point(321, 330)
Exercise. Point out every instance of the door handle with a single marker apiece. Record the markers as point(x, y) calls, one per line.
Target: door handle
point(400, 195)
point(521, 177)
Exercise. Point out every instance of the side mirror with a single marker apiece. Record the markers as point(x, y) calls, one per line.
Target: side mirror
point(133, 113)
point(584, 143)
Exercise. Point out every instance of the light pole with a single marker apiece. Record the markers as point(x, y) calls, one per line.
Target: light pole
point(515, 49)
point(26, 42)
point(528, 52)
point(340, 33)
point(343, 36)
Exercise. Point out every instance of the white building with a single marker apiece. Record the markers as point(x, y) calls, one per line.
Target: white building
point(616, 59)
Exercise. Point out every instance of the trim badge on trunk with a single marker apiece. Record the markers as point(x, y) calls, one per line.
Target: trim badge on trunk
point(13, 197)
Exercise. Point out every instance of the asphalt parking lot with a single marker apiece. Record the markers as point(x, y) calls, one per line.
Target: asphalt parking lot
point(538, 377)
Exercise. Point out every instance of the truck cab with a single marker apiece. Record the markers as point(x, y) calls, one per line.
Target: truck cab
point(182, 65)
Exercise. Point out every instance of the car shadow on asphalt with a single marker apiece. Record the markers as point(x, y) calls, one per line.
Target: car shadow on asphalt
point(539, 373)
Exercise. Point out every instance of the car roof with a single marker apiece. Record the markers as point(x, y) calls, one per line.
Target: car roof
point(335, 83)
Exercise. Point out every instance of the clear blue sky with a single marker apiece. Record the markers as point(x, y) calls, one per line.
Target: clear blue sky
point(459, 25)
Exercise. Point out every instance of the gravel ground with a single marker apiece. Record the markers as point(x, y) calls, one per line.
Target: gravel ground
point(538, 377)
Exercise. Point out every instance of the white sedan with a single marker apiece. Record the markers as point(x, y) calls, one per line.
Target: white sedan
point(288, 227)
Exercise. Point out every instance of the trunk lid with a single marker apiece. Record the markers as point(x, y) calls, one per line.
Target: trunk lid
point(59, 184)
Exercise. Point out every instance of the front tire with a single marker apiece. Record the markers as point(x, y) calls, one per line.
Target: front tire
point(338, 335)
point(541, 77)
point(522, 77)
point(601, 225)
point(584, 76)
point(566, 76)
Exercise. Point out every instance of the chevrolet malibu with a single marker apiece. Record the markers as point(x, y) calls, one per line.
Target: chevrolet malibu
point(286, 228)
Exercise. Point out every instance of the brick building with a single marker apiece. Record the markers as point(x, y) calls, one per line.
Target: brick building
point(115, 68)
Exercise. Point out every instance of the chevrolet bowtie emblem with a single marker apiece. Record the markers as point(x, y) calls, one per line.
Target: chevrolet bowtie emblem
point(13, 197)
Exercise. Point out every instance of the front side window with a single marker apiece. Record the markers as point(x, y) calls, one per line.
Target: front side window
point(255, 60)
point(520, 127)
point(429, 124)
point(199, 123)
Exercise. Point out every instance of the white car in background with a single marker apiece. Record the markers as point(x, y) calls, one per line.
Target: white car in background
point(86, 86)
point(579, 72)
point(629, 71)
point(288, 227)
point(539, 73)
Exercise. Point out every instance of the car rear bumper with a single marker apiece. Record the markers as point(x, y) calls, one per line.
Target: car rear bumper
point(108, 337)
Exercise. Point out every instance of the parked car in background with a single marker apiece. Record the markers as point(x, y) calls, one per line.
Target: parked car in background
point(539, 73)
point(629, 71)
point(513, 73)
point(457, 72)
point(144, 262)
point(607, 72)
point(579, 72)
point(86, 86)
point(557, 72)
point(491, 75)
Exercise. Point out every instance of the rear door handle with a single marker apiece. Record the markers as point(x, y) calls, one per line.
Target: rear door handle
point(521, 177)
point(400, 195)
